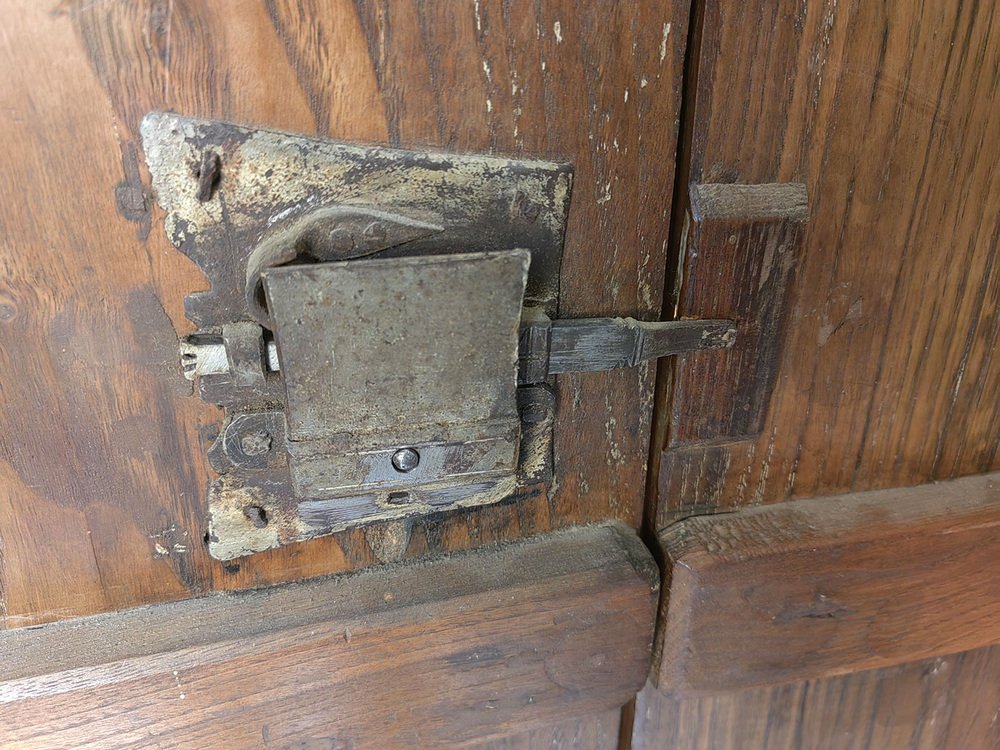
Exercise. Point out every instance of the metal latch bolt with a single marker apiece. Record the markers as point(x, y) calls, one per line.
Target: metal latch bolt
point(546, 347)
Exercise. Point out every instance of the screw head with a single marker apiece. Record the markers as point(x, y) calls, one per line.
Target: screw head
point(405, 460)
point(256, 443)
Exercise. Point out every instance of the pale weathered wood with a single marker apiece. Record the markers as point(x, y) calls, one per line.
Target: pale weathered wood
point(948, 703)
point(431, 654)
point(828, 586)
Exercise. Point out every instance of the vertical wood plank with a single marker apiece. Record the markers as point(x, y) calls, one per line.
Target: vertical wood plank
point(949, 703)
point(884, 113)
point(889, 374)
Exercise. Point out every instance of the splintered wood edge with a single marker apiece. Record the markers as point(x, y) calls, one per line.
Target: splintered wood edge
point(781, 201)
point(564, 619)
point(805, 589)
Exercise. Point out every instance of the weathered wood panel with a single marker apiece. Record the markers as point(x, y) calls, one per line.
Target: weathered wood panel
point(102, 469)
point(599, 732)
point(886, 112)
point(948, 703)
point(828, 586)
point(742, 246)
point(432, 654)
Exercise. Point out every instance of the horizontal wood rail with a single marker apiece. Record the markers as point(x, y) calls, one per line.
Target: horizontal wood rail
point(830, 585)
point(423, 654)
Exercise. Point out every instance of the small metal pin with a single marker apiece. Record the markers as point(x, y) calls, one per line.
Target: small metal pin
point(405, 460)
point(208, 173)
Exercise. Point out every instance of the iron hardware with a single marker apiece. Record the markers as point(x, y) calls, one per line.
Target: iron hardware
point(546, 347)
point(381, 326)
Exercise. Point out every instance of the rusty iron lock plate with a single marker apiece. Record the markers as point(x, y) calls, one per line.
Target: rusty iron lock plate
point(361, 327)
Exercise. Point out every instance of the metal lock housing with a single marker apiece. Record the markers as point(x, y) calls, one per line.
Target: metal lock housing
point(362, 325)
point(380, 327)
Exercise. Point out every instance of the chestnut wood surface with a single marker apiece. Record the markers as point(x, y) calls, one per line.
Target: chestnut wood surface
point(102, 446)
point(827, 586)
point(595, 732)
point(887, 113)
point(429, 654)
point(742, 247)
point(889, 374)
point(946, 703)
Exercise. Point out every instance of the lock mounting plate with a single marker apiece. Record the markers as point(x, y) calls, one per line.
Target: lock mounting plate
point(368, 301)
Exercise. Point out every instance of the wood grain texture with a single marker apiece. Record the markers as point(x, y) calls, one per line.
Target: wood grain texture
point(102, 468)
point(948, 703)
point(434, 654)
point(828, 586)
point(600, 732)
point(739, 261)
point(886, 112)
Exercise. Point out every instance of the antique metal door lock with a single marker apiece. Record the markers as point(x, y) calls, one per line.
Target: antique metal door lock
point(381, 325)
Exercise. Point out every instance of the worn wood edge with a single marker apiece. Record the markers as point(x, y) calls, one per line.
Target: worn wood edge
point(702, 541)
point(118, 637)
point(697, 545)
point(780, 201)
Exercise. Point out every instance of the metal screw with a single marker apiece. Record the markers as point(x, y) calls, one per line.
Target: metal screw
point(405, 460)
point(256, 443)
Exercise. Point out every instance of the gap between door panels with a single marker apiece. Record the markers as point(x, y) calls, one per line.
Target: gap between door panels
point(671, 291)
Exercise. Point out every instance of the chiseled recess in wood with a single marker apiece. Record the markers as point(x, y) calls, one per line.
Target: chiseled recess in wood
point(740, 250)
point(440, 653)
point(101, 455)
point(889, 375)
point(742, 247)
point(826, 586)
point(946, 703)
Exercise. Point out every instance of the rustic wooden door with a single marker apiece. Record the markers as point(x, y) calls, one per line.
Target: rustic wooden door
point(888, 378)
point(881, 370)
point(104, 469)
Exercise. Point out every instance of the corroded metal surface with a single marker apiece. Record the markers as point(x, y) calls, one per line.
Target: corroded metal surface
point(264, 214)
point(406, 352)
point(267, 180)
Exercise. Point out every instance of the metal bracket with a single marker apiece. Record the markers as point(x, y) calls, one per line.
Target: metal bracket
point(380, 328)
